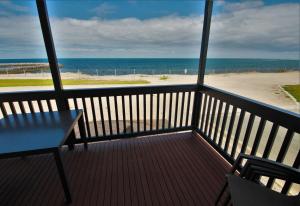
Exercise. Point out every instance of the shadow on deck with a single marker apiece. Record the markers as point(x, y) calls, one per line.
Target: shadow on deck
point(171, 169)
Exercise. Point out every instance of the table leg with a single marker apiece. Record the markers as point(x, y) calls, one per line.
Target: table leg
point(62, 176)
point(82, 131)
point(70, 140)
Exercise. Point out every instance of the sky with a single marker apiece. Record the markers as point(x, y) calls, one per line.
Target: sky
point(141, 29)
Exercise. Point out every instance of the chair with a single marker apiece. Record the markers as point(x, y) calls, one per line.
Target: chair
point(245, 188)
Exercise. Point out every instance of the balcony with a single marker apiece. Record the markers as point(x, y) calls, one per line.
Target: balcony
point(180, 153)
point(148, 145)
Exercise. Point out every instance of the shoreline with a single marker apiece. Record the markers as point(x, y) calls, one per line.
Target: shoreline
point(47, 74)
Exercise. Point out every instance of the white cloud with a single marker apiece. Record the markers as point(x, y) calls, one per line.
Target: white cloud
point(258, 30)
point(104, 9)
point(6, 4)
point(235, 6)
point(254, 31)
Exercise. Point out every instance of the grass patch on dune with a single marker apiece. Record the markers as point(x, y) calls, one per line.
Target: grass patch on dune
point(294, 90)
point(164, 77)
point(48, 82)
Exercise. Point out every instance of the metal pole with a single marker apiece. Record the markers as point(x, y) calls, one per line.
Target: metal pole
point(49, 44)
point(202, 61)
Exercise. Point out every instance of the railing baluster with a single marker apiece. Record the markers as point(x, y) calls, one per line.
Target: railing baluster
point(203, 112)
point(138, 112)
point(247, 133)
point(50, 106)
point(86, 117)
point(258, 136)
point(157, 111)
point(145, 112)
point(94, 116)
point(102, 116)
point(75, 103)
point(237, 133)
point(282, 152)
point(207, 114)
point(212, 118)
point(30, 107)
point(130, 112)
point(288, 184)
point(188, 110)
point(176, 110)
point(182, 108)
point(109, 115)
point(3, 109)
point(117, 114)
point(285, 145)
point(151, 111)
point(22, 108)
point(231, 124)
point(124, 113)
point(164, 112)
point(12, 107)
point(271, 140)
point(40, 106)
point(218, 121)
point(170, 110)
point(223, 125)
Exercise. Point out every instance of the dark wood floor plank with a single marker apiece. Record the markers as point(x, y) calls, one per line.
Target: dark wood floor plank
point(131, 175)
point(152, 190)
point(189, 178)
point(30, 169)
point(171, 169)
point(157, 171)
point(120, 178)
point(175, 167)
point(126, 181)
point(136, 176)
point(196, 163)
point(143, 178)
point(175, 184)
point(94, 174)
point(160, 157)
point(196, 173)
point(103, 173)
point(108, 179)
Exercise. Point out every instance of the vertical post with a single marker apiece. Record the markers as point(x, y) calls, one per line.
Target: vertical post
point(202, 61)
point(50, 49)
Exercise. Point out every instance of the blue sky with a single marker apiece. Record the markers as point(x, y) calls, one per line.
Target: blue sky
point(254, 29)
point(116, 9)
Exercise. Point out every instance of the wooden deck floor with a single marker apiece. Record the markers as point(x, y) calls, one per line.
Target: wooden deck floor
point(172, 169)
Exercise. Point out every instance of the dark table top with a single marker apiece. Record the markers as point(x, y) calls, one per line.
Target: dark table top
point(247, 193)
point(37, 131)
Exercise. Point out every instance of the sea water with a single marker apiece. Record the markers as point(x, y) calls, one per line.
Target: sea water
point(123, 66)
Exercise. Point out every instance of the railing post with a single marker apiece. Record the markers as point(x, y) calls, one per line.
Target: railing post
point(202, 62)
point(50, 48)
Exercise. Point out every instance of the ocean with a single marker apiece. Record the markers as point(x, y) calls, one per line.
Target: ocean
point(123, 66)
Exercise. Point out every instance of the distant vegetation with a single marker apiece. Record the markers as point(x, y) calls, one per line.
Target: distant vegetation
point(164, 77)
point(294, 90)
point(48, 82)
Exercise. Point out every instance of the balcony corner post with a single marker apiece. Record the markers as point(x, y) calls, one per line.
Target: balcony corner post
point(202, 62)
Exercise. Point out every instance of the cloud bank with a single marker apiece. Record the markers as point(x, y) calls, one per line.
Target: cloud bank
point(241, 31)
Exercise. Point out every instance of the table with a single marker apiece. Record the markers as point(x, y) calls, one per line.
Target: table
point(40, 133)
point(246, 193)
